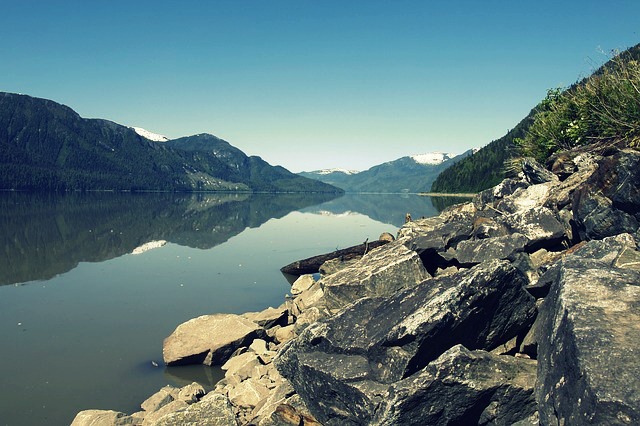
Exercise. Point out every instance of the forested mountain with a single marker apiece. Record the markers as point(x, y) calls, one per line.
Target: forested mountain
point(565, 116)
point(48, 146)
point(485, 168)
point(407, 174)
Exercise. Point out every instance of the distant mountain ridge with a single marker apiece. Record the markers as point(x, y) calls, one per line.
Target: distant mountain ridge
point(47, 146)
point(412, 174)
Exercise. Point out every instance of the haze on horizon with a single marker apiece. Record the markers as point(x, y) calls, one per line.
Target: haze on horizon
point(309, 84)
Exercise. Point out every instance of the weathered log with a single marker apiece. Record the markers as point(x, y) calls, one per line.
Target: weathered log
point(312, 265)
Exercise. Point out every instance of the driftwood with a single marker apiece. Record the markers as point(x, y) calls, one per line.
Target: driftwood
point(312, 265)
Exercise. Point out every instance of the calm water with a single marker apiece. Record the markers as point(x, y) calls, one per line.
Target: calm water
point(81, 318)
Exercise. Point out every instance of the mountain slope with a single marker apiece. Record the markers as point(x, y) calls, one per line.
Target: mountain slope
point(48, 146)
point(486, 168)
point(406, 174)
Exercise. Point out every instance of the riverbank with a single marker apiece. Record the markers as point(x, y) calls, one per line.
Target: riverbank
point(518, 307)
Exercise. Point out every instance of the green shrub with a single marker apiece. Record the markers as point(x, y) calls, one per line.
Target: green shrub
point(603, 107)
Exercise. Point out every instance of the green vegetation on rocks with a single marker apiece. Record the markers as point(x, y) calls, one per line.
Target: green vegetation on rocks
point(602, 108)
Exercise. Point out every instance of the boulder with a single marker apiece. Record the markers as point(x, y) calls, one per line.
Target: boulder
point(269, 317)
point(152, 418)
point(539, 225)
point(101, 418)
point(489, 197)
point(209, 339)
point(608, 203)
point(341, 366)
point(473, 252)
point(381, 272)
point(463, 387)
point(534, 173)
point(525, 198)
point(589, 342)
point(213, 410)
point(159, 399)
point(304, 282)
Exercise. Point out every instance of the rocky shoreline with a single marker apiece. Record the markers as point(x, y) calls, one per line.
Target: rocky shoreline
point(520, 307)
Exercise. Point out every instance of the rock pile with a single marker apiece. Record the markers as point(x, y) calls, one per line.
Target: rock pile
point(520, 307)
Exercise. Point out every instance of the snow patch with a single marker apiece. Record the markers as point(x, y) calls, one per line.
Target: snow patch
point(432, 158)
point(148, 246)
point(150, 135)
point(336, 170)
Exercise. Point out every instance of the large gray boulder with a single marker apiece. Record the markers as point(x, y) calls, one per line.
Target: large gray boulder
point(589, 342)
point(608, 203)
point(463, 387)
point(382, 272)
point(472, 252)
point(209, 339)
point(341, 365)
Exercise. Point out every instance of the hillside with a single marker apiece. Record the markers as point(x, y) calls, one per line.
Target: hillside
point(48, 146)
point(566, 113)
point(483, 169)
point(407, 174)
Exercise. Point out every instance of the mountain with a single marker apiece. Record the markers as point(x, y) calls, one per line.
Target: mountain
point(407, 174)
point(48, 146)
point(487, 167)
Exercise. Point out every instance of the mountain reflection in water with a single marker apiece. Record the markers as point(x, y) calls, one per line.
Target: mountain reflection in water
point(44, 235)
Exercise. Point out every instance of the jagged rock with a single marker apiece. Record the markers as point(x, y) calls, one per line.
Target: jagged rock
point(269, 317)
point(484, 227)
point(242, 365)
point(491, 196)
point(159, 399)
point(152, 418)
point(534, 173)
point(313, 296)
point(539, 225)
point(334, 265)
point(248, 393)
point(472, 252)
point(463, 387)
point(608, 203)
point(432, 245)
point(381, 272)
point(589, 342)
point(213, 410)
point(209, 339)
point(304, 282)
point(101, 418)
point(386, 236)
point(341, 365)
point(525, 198)
point(284, 334)
point(191, 393)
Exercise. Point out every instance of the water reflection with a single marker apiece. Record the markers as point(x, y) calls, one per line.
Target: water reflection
point(43, 235)
point(388, 208)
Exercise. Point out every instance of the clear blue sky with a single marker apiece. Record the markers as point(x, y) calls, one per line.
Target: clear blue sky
point(310, 84)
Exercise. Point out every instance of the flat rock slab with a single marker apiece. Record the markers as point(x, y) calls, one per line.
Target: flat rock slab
point(209, 339)
point(588, 356)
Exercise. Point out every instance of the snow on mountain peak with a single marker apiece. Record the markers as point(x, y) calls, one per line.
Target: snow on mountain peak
point(337, 170)
point(432, 158)
point(150, 135)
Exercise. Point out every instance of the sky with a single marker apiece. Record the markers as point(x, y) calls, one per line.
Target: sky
point(310, 84)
